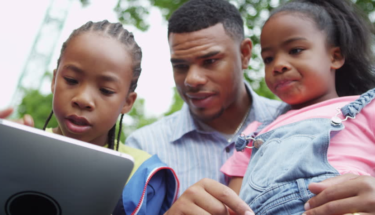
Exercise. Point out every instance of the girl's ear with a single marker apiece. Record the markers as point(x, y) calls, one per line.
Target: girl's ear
point(130, 99)
point(53, 81)
point(246, 48)
point(337, 60)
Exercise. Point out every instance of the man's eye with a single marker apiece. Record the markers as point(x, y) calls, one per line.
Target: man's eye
point(209, 61)
point(71, 81)
point(106, 92)
point(295, 51)
point(267, 60)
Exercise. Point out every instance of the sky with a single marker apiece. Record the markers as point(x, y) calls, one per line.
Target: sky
point(23, 18)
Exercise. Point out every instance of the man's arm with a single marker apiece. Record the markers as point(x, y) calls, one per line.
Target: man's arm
point(342, 194)
point(208, 196)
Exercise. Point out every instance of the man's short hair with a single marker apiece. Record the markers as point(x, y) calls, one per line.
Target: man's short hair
point(196, 15)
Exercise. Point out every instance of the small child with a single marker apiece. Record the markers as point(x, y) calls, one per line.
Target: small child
point(94, 82)
point(317, 56)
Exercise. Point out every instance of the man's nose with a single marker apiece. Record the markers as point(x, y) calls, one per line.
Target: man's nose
point(195, 77)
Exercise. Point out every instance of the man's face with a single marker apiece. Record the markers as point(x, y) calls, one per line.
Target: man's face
point(207, 67)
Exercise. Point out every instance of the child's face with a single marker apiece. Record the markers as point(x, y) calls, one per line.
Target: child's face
point(299, 65)
point(91, 87)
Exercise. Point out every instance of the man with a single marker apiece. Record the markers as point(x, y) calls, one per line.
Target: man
point(209, 53)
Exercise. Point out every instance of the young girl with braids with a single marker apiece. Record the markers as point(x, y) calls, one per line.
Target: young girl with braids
point(94, 83)
point(318, 59)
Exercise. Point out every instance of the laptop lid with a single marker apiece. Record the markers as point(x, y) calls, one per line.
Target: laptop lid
point(44, 173)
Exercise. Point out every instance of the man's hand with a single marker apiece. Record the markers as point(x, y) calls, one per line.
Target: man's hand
point(208, 196)
point(26, 120)
point(343, 194)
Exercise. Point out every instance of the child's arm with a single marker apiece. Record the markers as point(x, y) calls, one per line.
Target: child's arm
point(235, 184)
point(26, 120)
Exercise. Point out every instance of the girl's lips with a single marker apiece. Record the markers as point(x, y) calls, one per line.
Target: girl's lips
point(78, 120)
point(76, 128)
point(283, 85)
point(77, 124)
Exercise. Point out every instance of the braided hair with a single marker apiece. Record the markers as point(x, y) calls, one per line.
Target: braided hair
point(116, 31)
point(348, 28)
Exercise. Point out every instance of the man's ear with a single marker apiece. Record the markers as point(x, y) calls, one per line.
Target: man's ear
point(130, 99)
point(53, 81)
point(337, 60)
point(246, 48)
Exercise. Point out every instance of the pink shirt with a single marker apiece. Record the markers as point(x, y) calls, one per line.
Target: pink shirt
point(351, 150)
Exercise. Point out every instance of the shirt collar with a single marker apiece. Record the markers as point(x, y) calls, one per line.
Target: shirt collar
point(184, 123)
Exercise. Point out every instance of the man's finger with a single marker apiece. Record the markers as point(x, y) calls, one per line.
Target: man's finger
point(228, 197)
point(6, 113)
point(205, 200)
point(319, 187)
point(338, 207)
point(333, 193)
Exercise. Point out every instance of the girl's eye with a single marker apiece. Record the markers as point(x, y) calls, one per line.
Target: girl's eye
point(267, 60)
point(106, 92)
point(71, 81)
point(180, 67)
point(295, 51)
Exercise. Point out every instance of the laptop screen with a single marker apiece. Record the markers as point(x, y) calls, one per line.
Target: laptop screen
point(45, 173)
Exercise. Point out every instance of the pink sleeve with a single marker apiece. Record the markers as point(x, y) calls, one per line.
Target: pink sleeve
point(236, 165)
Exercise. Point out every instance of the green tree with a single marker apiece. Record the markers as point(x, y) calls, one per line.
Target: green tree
point(38, 106)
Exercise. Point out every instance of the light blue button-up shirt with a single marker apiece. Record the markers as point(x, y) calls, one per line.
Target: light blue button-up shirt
point(193, 153)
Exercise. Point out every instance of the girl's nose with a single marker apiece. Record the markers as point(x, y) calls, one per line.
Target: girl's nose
point(280, 66)
point(83, 100)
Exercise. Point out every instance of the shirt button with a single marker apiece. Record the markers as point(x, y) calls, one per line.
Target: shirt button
point(227, 149)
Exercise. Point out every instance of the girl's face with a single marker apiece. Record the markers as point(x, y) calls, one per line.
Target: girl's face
point(299, 65)
point(91, 87)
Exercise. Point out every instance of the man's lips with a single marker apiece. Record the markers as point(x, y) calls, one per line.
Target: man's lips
point(77, 124)
point(200, 100)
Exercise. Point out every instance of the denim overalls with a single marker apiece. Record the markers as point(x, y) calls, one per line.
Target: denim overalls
point(286, 160)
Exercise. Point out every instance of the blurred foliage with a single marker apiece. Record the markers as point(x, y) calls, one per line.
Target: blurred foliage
point(38, 106)
point(138, 117)
point(177, 103)
point(85, 2)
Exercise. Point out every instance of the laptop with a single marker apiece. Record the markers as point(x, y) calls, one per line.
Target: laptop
point(47, 174)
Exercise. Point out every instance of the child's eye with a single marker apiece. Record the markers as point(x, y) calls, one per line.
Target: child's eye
point(295, 51)
point(70, 81)
point(267, 60)
point(180, 67)
point(106, 92)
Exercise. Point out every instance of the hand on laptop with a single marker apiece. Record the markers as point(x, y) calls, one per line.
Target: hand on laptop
point(26, 120)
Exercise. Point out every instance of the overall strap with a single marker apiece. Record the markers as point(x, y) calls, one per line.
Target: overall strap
point(353, 108)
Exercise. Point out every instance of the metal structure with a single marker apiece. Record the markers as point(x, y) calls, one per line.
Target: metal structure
point(37, 63)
